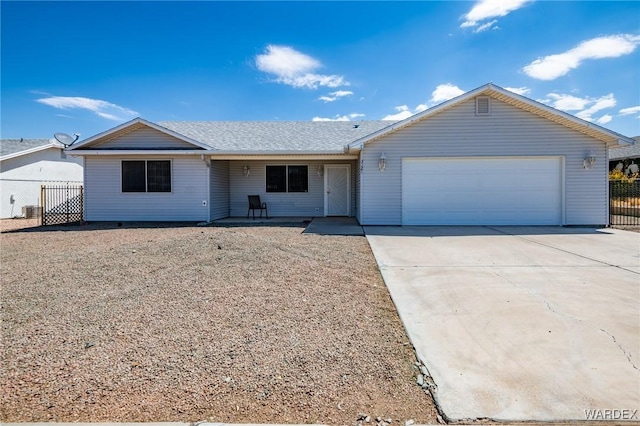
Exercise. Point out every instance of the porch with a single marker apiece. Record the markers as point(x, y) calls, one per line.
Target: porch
point(291, 187)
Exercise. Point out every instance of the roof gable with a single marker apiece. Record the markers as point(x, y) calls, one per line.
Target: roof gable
point(109, 138)
point(610, 137)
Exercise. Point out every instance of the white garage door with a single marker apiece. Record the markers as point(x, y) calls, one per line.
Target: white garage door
point(482, 191)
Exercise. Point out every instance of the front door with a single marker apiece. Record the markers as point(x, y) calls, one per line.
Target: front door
point(337, 190)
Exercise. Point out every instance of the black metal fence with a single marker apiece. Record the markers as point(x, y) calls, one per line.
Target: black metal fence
point(62, 204)
point(624, 203)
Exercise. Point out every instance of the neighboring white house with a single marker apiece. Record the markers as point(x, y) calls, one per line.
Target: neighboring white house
point(25, 165)
point(487, 157)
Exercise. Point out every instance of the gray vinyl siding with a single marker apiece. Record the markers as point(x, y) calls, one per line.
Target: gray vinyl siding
point(507, 131)
point(144, 138)
point(309, 204)
point(105, 201)
point(219, 189)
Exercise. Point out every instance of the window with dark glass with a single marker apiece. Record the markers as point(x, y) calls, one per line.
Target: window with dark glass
point(276, 178)
point(158, 176)
point(133, 176)
point(287, 179)
point(298, 179)
point(146, 176)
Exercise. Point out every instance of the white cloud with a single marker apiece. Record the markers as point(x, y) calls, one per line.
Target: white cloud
point(565, 102)
point(101, 108)
point(604, 102)
point(519, 90)
point(295, 68)
point(403, 112)
point(339, 117)
point(604, 119)
point(486, 10)
point(630, 110)
point(333, 96)
point(554, 66)
point(486, 26)
point(586, 107)
point(441, 93)
point(444, 92)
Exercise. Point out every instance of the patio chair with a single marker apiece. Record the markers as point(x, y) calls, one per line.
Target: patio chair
point(255, 204)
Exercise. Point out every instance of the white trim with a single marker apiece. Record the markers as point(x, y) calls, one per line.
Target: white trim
point(148, 152)
point(217, 155)
point(280, 155)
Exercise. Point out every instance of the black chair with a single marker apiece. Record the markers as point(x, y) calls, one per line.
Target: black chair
point(255, 204)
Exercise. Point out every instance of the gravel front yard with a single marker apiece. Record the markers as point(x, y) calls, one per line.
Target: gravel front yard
point(181, 323)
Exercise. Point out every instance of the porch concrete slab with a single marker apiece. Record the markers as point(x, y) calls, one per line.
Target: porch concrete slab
point(334, 226)
point(243, 221)
point(530, 324)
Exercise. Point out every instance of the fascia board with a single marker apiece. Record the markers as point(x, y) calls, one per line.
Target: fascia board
point(283, 156)
point(148, 152)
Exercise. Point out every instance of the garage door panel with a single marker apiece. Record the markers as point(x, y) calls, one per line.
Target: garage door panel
point(491, 191)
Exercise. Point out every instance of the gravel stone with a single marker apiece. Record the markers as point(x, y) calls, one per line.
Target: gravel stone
point(263, 330)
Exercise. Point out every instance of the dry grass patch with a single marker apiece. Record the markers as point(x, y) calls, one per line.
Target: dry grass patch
point(180, 323)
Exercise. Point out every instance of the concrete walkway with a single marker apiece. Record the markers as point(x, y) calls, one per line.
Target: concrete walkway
point(516, 323)
point(334, 226)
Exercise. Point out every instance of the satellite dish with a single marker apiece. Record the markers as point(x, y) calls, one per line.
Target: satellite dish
point(65, 139)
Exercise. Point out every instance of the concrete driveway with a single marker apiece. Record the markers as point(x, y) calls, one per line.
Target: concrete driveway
point(518, 323)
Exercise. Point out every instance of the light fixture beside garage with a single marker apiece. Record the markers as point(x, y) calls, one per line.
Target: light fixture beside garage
point(382, 162)
point(246, 170)
point(589, 161)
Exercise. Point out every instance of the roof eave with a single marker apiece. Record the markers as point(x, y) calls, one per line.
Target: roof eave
point(275, 155)
point(147, 152)
point(31, 151)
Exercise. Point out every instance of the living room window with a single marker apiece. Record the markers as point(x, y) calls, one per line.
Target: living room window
point(146, 176)
point(287, 179)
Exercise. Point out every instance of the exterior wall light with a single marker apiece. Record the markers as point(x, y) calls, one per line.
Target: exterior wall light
point(320, 170)
point(246, 170)
point(382, 162)
point(589, 161)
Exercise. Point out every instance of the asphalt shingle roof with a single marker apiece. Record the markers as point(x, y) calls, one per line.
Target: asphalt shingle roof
point(12, 146)
point(273, 136)
point(629, 151)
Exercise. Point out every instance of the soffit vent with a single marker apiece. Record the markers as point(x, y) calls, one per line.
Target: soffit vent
point(483, 106)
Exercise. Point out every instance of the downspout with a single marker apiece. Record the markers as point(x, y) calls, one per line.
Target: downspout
point(606, 171)
point(210, 174)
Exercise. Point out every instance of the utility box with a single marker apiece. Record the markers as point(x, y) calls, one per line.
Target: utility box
point(31, 212)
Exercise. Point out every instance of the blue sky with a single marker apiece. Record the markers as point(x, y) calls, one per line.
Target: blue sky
point(88, 66)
